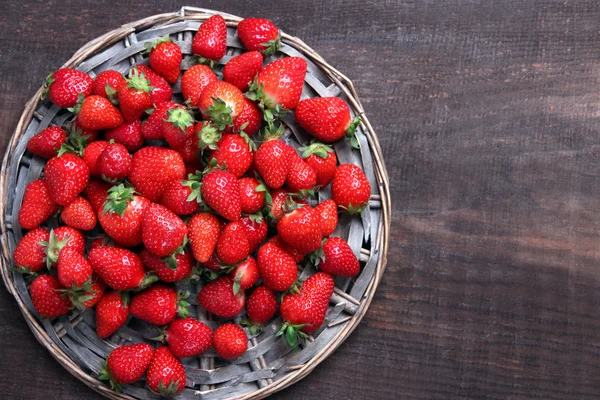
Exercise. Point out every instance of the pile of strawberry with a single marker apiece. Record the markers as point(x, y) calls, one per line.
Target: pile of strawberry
point(170, 192)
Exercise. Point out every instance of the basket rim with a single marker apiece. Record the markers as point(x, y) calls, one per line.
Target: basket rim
point(383, 231)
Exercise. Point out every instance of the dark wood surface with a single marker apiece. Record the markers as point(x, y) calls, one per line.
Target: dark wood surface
point(488, 114)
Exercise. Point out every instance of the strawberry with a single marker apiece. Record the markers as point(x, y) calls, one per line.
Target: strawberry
point(121, 215)
point(101, 241)
point(260, 307)
point(217, 297)
point(280, 199)
point(329, 216)
point(61, 239)
point(177, 126)
point(301, 229)
point(112, 312)
point(163, 231)
point(176, 196)
point(232, 245)
point(47, 298)
point(272, 161)
point(165, 58)
point(66, 176)
point(152, 127)
point(188, 337)
point(91, 154)
point(234, 152)
point(161, 90)
point(322, 159)
point(252, 195)
point(221, 102)
point(305, 311)
point(241, 70)
point(221, 192)
point(193, 82)
point(73, 270)
point(107, 83)
point(244, 275)
point(301, 177)
point(30, 255)
point(327, 119)
point(64, 86)
point(203, 232)
point(135, 98)
point(206, 135)
point(277, 268)
point(97, 113)
point(296, 254)
point(47, 142)
point(119, 268)
point(159, 305)
point(350, 188)
point(259, 34)
point(336, 258)
point(249, 120)
point(126, 364)
point(129, 135)
point(184, 263)
point(114, 163)
point(166, 375)
point(210, 41)
point(153, 169)
point(37, 205)
point(79, 214)
point(256, 230)
point(91, 297)
point(96, 192)
point(230, 341)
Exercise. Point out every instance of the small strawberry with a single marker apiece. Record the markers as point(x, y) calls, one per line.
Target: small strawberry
point(66, 176)
point(184, 263)
point(165, 58)
point(206, 135)
point(112, 312)
point(327, 119)
point(152, 127)
point(126, 364)
point(213, 264)
point(301, 229)
point(96, 192)
point(203, 231)
point(91, 154)
point(233, 246)
point(163, 231)
point(244, 275)
point(166, 375)
point(260, 307)
point(37, 205)
point(329, 216)
point(217, 297)
point(277, 268)
point(221, 192)
point(322, 159)
point(153, 169)
point(272, 161)
point(188, 337)
point(74, 272)
point(162, 91)
point(241, 70)
point(47, 142)
point(234, 152)
point(61, 239)
point(230, 341)
point(91, 297)
point(301, 177)
point(177, 126)
point(193, 82)
point(211, 40)
point(259, 34)
point(256, 230)
point(79, 214)
point(64, 86)
point(336, 258)
point(252, 195)
point(135, 98)
point(30, 254)
point(121, 215)
point(249, 120)
point(159, 305)
point(97, 113)
point(296, 254)
point(280, 200)
point(47, 298)
point(129, 135)
point(350, 188)
point(114, 163)
point(119, 268)
point(107, 83)
point(176, 196)
point(102, 241)
point(221, 102)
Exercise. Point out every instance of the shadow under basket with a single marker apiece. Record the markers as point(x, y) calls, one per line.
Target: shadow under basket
point(268, 365)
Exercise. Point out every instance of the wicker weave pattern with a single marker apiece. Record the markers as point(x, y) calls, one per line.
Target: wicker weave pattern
point(268, 365)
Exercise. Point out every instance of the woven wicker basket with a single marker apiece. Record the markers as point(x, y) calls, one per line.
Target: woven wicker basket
point(268, 365)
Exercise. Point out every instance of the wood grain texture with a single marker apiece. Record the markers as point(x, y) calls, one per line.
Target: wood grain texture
point(488, 115)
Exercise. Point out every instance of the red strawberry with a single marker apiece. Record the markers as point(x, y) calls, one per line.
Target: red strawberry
point(166, 375)
point(121, 215)
point(64, 86)
point(47, 298)
point(176, 196)
point(235, 153)
point(135, 98)
point(217, 297)
point(301, 177)
point(184, 263)
point(79, 214)
point(221, 102)
point(163, 231)
point(188, 337)
point(233, 246)
point(211, 40)
point(326, 118)
point(350, 188)
point(190, 151)
point(127, 364)
point(221, 192)
point(336, 258)
point(272, 161)
point(165, 58)
point(301, 229)
point(37, 205)
point(96, 192)
point(206, 135)
point(153, 169)
point(47, 142)
point(252, 195)
point(90, 298)
point(101, 241)
point(279, 201)
point(177, 126)
point(203, 231)
point(73, 270)
point(323, 161)
point(230, 341)
point(256, 230)
point(152, 127)
point(241, 70)
point(296, 254)
point(119, 268)
point(162, 91)
point(30, 254)
point(66, 176)
point(114, 163)
point(193, 82)
point(159, 305)
point(65, 239)
point(261, 307)
point(259, 34)
point(107, 83)
point(97, 113)
point(129, 135)
point(277, 268)
point(249, 119)
point(91, 154)
point(112, 312)
point(305, 311)
point(329, 216)
point(244, 275)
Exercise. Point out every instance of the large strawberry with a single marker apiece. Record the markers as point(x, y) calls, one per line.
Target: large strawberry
point(177, 198)
point(241, 70)
point(193, 82)
point(256, 230)
point(301, 178)
point(47, 298)
point(252, 195)
point(261, 306)
point(244, 275)
point(163, 231)
point(336, 258)
point(165, 375)
point(37, 205)
point(188, 337)
point(203, 231)
point(322, 159)
point(327, 118)
point(129, 135)
point(272, 161)
point(30, 254)
point(234, 152)
point(91, 153)
point(73, 270)
point(119, 268)
point(135, 98)
point(169, 271)
point(107, 83)
point(221, 192)
point(217, 297)
point(259, 34)
point(221, 102)
point(66, 176)
point(64, 86)
point(47, 142)
point(233, 246)
point(211, 40)
point(153, 169)
point(114, 163)
point(230, 341)
point(165, 58)
point(350, 188)
point(112, 312)
point(61, 239)
point(301, 229)
point(177, 126)
point(277, 268)
point(159, 305)
point(121, 215)
point(329, 216)
point(97, 113)
point(126, 365)
point(161, 90)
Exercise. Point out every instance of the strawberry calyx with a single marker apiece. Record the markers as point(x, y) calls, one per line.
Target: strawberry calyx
point(149, 46)
point(194, 182)
point(249, 142)
point(271, 109)
point(138, 81)
point(53, 247)
point(219, 113)
point(168, 390)
point(318, 256)
point(354, 209)
point(104, 375)
point(146, 281)
point(319, 149)
point(351, 132)
point(257, 217)
point(292, 334)
point(264, 189)
point(112, 95)
point(208, 136)
point(117, 200)
point(77, 107)
point(171, 259)
point(193, 60)
point(253, 328)
point(78, 295)
point(272, 46)
point(49, 80)
point(23, 270)
point(272, 132)
point(182, 304)
point(75, 142)
point(180, 118)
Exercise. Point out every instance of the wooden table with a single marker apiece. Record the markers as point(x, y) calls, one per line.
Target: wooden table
point(489, 117)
